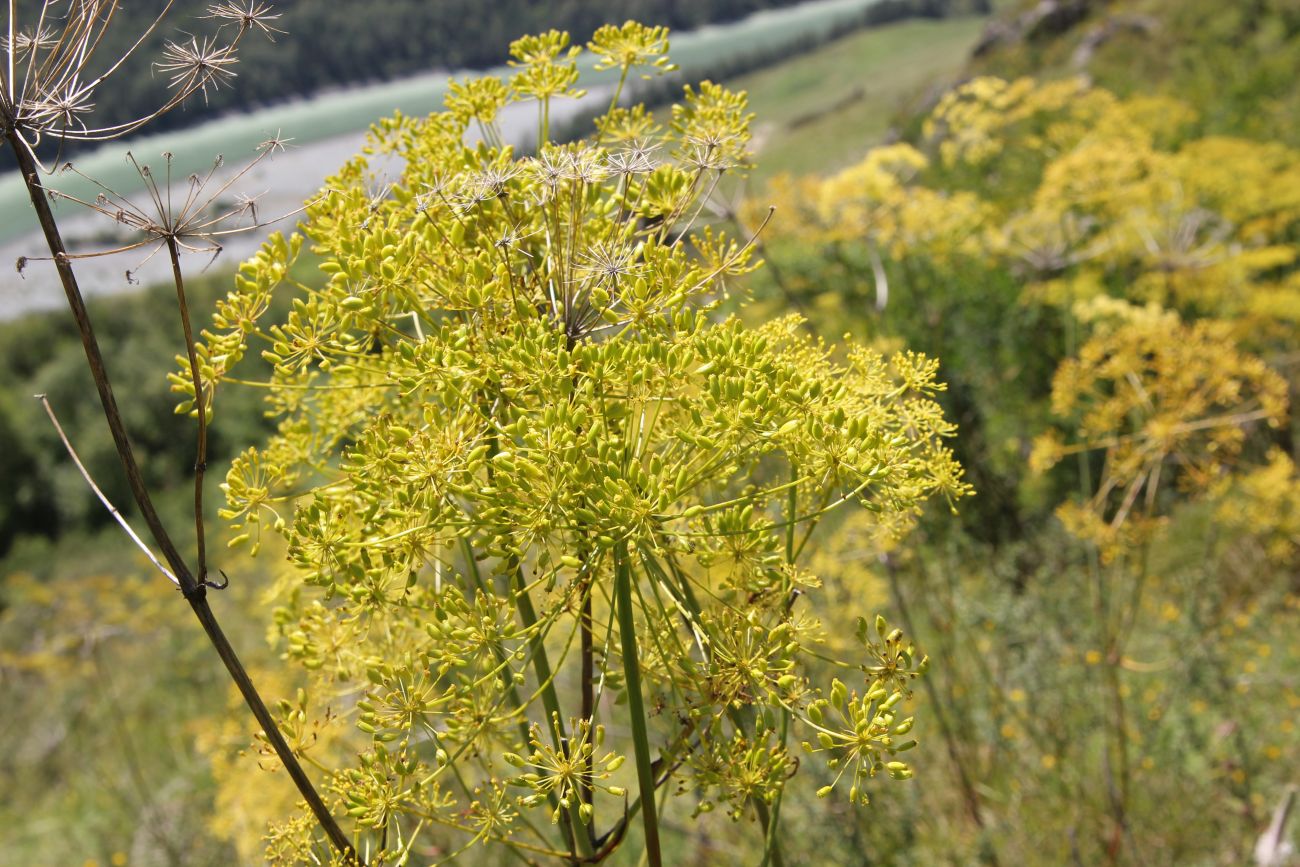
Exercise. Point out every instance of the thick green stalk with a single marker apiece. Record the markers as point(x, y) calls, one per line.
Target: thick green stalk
point(587, 685)
point(578, 840)
point(771, 836)
point(550, 698)
point(645, 777)
point(771, 824)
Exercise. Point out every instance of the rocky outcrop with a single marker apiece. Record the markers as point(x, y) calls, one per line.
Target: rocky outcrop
point(1048, 18)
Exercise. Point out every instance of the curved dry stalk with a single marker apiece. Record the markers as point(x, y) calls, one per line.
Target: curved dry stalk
point(99, 494)
point(193, 589)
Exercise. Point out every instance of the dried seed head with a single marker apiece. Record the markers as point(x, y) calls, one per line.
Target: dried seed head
point(28, 41)
point(636, 159)
point(198, 65)
point(61, 109)
point(606, 264)
point(247, 15)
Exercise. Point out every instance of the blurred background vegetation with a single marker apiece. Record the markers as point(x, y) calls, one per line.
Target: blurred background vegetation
point(1089, 211)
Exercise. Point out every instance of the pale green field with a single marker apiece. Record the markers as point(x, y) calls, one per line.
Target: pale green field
point(820, 111)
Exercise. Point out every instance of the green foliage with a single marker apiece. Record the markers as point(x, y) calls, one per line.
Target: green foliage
point(108, 755)
point(1113, 290)
point(43, 495)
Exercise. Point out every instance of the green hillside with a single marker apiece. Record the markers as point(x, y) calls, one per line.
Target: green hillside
point(820, 111)
point(1237, 61)
point(1098, 233)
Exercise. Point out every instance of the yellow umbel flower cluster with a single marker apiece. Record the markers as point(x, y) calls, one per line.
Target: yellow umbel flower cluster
point(530, 480)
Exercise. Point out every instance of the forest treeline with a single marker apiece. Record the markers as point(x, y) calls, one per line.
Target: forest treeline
point(42, 497)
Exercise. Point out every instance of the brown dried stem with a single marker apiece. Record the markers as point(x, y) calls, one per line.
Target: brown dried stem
point(194, 590)
point(201, 450)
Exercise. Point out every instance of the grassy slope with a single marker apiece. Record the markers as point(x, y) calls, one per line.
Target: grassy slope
point(1236, 62)
point(818, 112)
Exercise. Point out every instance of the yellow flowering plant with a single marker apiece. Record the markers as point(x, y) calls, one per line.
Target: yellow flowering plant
point(544, 503)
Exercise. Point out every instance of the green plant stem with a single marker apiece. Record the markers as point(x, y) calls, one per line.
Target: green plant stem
point(791, 514)
point(772, 848)
point(969, 795)
point(771, 833)
point(578, 839)
point(512, 692)
point(771, 837)
point(195, 591)
point(636, 705)
point(550, 697)
point(498, 652)
point(613, 102)
point(588, 687)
